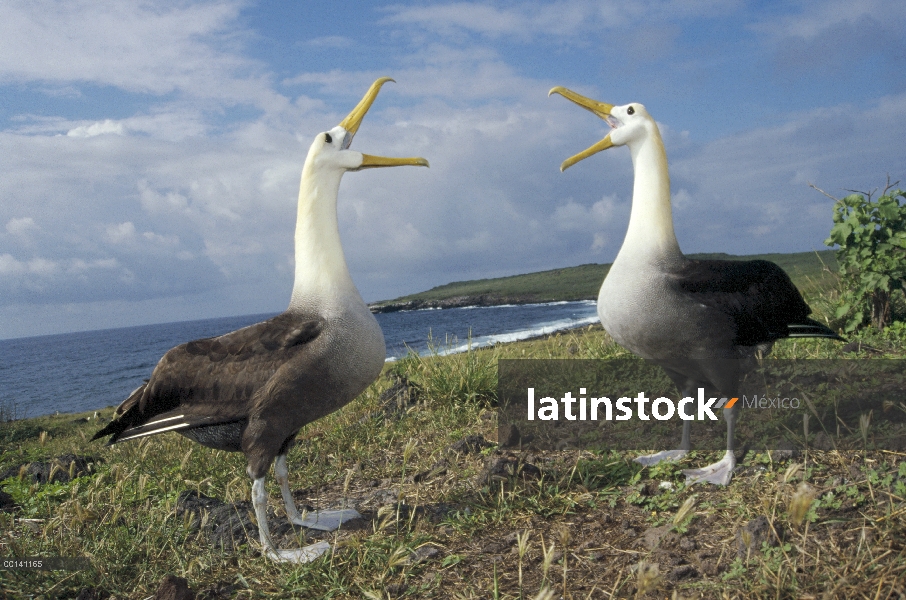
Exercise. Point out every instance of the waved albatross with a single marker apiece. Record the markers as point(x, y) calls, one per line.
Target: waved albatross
point(252, 390)
point(702, 321)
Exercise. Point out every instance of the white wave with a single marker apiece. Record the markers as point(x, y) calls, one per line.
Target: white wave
point(557, 303)
point(474, 306)
point(408, 310)
point(522, 334)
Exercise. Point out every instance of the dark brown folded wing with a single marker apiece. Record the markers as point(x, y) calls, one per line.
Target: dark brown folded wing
point(213, 380)
point(757, 295)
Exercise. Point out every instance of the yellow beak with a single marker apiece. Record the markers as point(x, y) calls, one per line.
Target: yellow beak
point(370, 162)
point(354, 119)
point(601, 109)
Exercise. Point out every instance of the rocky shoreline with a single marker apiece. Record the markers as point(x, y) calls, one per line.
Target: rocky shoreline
point(461, 301)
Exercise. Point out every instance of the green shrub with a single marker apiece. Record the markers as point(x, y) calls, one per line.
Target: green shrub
point(872, 255)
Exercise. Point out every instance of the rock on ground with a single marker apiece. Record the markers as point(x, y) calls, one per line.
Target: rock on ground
point(750, 537)
point(223, 525)
point(92, 593)
point(174, 588)
point(40, 472)
point(506, 468)
point(7, 504)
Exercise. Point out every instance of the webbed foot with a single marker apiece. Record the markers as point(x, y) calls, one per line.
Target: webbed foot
point(658, 457)
point(719, 473)
point(298, 555)
point(326, 520)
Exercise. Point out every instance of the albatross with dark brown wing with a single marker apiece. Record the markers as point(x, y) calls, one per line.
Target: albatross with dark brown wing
point(252, 390)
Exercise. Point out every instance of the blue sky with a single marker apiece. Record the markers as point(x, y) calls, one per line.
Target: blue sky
point(150, 151)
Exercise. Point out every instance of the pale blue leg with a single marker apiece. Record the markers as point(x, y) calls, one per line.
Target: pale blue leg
point(720, 472)
point(324, 520)
point(669, 455)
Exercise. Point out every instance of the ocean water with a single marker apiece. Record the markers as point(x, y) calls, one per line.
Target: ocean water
point(75, 372)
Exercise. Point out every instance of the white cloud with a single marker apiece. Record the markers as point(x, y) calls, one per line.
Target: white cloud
point(574, 216)
point(161, 240)
point(154, 201)
point(330, 41)
point(9, 265)
point(21, 226)
point(568, 21)
point(448, 75)
point(602, 223)
point(832, 39)
point(755, 183)
point(151, 206)
point(682, 199)
point(475, 17)
point(122, 232)
point(817, 19)
point(599, 242)
point(169, 123)
point(99, 128)
point(78, 266)
point(131, 45)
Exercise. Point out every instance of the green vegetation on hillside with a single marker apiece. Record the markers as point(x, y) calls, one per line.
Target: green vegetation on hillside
point(810, 271)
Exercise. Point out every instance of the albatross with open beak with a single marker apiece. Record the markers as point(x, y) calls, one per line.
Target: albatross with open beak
point(252, 390)
point(701, 320)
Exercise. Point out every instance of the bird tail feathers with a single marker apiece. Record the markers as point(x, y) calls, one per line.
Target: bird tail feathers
point(811, 328)
point(174, 423)
point(122, 430)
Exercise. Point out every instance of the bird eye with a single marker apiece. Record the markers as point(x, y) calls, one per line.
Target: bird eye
point(327, 138)
point(630, 111)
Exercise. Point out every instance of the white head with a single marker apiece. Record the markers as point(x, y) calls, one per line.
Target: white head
point(650, 237)
point(631, 124)
point(330, 150)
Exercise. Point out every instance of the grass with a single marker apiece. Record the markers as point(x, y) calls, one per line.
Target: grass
point(812, 272)
point(591, 526)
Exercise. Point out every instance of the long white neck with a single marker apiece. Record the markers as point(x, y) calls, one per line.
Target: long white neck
point(650, 236)
point(321, 271)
